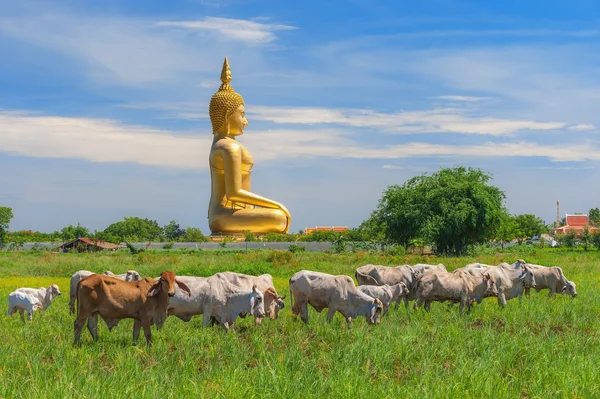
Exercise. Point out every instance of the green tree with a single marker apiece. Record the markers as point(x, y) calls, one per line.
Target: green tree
point(452, 208)
point(586, 239)
point(135, 229)
point(530, 225)
point(193, 234)
point(596, 240)
point(569, 240)
point(172, 231)
point(6, 215)
point(71, 232)
point(594, 216)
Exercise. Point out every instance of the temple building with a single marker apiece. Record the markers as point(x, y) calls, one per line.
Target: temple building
point(335, 229)
point(576, 223)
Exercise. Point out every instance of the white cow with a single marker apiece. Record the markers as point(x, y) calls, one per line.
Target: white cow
point(511, 281)
point(23, 303)
point(553, 279)
point(218, 300)
point(131, 275)
point(391, 275)
point(337, 293)
point(459, 287)
point(264, 282)
point(385, 293)
point(44, 295)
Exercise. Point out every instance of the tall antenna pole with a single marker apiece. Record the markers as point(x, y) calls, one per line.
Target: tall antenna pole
point(557, 213)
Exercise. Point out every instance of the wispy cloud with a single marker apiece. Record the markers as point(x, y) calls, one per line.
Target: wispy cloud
point(582, 127)
point(464, 98)
point(100, 140)
point(431, 121)
point(248, 31)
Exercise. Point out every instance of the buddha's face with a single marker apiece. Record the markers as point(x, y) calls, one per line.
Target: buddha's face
point(237, 121)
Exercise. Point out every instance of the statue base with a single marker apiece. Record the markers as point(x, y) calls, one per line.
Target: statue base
point(218, 237)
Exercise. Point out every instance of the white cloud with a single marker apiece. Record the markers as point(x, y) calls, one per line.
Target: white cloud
point(100, 140)
point(433, 121)
point(464, 98)
point(234, 29)
point(582, 127)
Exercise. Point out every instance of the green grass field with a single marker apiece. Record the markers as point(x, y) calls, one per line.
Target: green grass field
point(539, 348)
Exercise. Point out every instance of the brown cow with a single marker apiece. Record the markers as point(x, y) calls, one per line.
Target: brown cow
point(145, 301)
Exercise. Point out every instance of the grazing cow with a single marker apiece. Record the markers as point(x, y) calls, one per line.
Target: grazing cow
point(385, 293)
point(227, 301)
point(44, 295)
point(144, 301)
point(186, 306)
point(511, 281)
point(23, 303)
point(131, 275)
point(455, 287)
point(390, 275)
point(337, 293)
point(553, 279)
point(264, 282)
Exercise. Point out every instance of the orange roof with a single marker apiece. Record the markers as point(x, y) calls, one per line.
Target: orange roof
point(337, 229)
point(97, 243)
point(577, 220)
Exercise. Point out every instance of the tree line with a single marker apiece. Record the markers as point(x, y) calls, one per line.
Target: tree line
point(450, 211)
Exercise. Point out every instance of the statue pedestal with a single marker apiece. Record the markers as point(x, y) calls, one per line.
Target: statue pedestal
point(216, 237)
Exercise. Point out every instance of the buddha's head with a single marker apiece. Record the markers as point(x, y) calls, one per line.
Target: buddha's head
point(226, 107)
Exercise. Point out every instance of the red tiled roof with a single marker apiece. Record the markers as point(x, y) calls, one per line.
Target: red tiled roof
point(577, 220)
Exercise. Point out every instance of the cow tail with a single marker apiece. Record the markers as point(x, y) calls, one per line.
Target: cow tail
point(77, 296)
point(291, 296)
point(367, 277)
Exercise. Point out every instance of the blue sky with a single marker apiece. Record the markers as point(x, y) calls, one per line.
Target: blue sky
point(104, 105)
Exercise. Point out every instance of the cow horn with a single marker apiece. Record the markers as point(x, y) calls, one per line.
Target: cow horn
point(282, 297)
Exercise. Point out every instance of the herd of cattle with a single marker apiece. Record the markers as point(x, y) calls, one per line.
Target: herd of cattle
point(224, 297)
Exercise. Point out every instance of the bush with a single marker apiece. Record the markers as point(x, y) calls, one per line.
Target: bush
point(296, 248)
point(168, 245)
point(278, 257)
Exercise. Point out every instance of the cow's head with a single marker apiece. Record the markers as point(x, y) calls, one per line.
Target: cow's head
point(519, 263)
point(257, 305)
point(527, 276)
point(570, 288)
point(375, 312)
point(273, 302)
point(491, 289)
point(166, 283)
point(132, 275)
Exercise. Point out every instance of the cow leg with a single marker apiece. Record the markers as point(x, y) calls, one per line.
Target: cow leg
point(147, 331)
point(72, 304)
point(528, 292)
point(11, 311)
point(225, 325)
point(501, 300)
point(330, 314)
point(22, 313)
point(405, 299)
point(304, 312)
point(92, 326)
point(29, 315)
point(137, 326)
point(349, 321)
point(78, 326)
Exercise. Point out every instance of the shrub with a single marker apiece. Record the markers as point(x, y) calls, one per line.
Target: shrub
point(168, 245)
point(278, 257)
point(296, 248)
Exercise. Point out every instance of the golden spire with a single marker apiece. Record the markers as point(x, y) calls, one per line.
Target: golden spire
point(225, 76)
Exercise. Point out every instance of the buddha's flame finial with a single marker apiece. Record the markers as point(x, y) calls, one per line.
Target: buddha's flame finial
point(225, 76)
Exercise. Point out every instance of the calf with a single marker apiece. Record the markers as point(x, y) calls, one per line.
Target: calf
point(44, 295)
point(455, 287)
point(385, 293)
point(144, 301)
point(131, 275)
point(337, 293)
point(23, 303)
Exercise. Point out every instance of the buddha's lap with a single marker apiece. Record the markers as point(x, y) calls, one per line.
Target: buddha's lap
point(255, 219)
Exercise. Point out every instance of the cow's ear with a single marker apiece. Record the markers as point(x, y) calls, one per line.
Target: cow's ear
point(154, 289)
point(254, 288)
point(183, 287)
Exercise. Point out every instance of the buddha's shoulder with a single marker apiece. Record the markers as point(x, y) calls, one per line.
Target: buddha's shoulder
point(227, 146)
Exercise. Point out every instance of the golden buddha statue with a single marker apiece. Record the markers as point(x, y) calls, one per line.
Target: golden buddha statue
point(233, 208)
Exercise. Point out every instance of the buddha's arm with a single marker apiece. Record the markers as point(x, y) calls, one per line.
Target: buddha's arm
point(232, 165)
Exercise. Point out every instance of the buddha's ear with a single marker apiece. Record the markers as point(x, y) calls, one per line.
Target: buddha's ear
point(227, 124)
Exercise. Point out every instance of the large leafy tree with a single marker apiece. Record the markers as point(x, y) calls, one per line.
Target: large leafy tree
point(530, 225)
point(135, 229)
point(173, 232)
point(6, 215)
point(451, 209)
point(71, 232)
